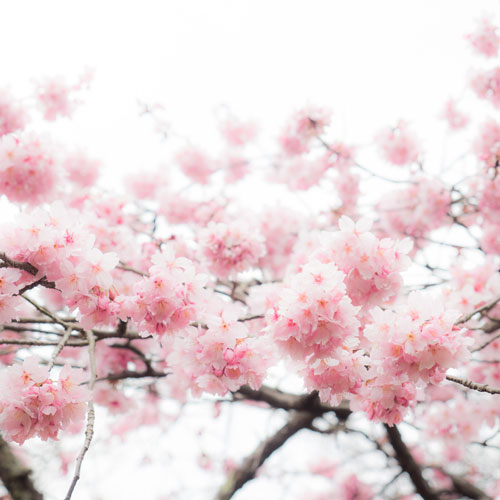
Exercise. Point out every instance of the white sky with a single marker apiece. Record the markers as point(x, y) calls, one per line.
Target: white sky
point(370, 61)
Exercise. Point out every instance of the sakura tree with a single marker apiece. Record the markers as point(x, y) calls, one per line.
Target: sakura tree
point(367, 324)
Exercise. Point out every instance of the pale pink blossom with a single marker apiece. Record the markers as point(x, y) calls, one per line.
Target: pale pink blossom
point(195, 165)
point(28, 169)
point(230, 248)
point(455, 118)
point(302, 127)
point(82, 170)
point(32, 404)
point(485, 40)
point(398, 145)
point(487, 86)
point(13, 116)
point(487, 143)
point(237, 133)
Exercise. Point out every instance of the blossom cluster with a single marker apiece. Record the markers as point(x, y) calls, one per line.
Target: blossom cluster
point(302, 127)
point(165, 300)
point(414, 344)
point(28, 169)
point(13, 117)
point(32, 404)
point(487, 86)
point(372, 266)
point(398, 145)
point(63, 251)
point(416, 210)
point(230, 248)
point(221, 356)
point(485, 40)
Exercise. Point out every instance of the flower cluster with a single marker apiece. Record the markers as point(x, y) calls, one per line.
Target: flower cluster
point(487, 86)
point(12, 116)
point(166, 300)
point(9, 302)
point(220, 357)
point(302, 127)
point(82, 170)
point(485, 40)
point(230, 248)
point(487, 143)
point(237, 133)
point(63, 251)
point(315, 314)
point(398, 145)
point(415, 210)
point(416, 343)
point(372, 266)
point(32, 404)
point(195, 165)
point(56, 98)
point(455, 118)
point(28, 169)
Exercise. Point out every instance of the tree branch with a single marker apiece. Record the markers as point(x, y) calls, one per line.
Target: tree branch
point(463, 487)
point(24, 266)
point(279, 399)
point(248, 468)
point(472, 385)
point(16, 476)
point(409, 465)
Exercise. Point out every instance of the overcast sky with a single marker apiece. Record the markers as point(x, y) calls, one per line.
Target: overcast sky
point(372, 62)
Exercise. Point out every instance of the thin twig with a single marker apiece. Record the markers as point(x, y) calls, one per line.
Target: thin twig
point(46, 312)
point(481, 309)
point(124, 267)
point(40, 343)
point(89, 431)
point(487, 343)
point(472, 385)
point(60, 346)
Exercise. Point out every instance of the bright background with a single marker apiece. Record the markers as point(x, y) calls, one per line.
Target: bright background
point(371, 62)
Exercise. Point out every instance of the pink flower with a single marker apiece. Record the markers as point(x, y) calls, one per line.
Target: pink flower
point(487, 86)
point(33, 404)
point(302, 127)
point(230, 248)
point(57, 98)
point(12, 116)
point(28, 170)
point(485, 40)
point(196, 165)
point(487, 144)
point(398, 145)
point(417, 209)
point(81, 169)
point(237, 133)
point(456, 120)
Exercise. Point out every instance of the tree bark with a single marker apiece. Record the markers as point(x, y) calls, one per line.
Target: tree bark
point(16, 476)
point(409, 465)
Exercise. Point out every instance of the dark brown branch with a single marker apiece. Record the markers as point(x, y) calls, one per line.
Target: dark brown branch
point(42, 282)
point(16, 476)
point(24, 266)
point(409, 465)
point(250, 465)
point(130, 374)
point(278, 399)
point(467, 489)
